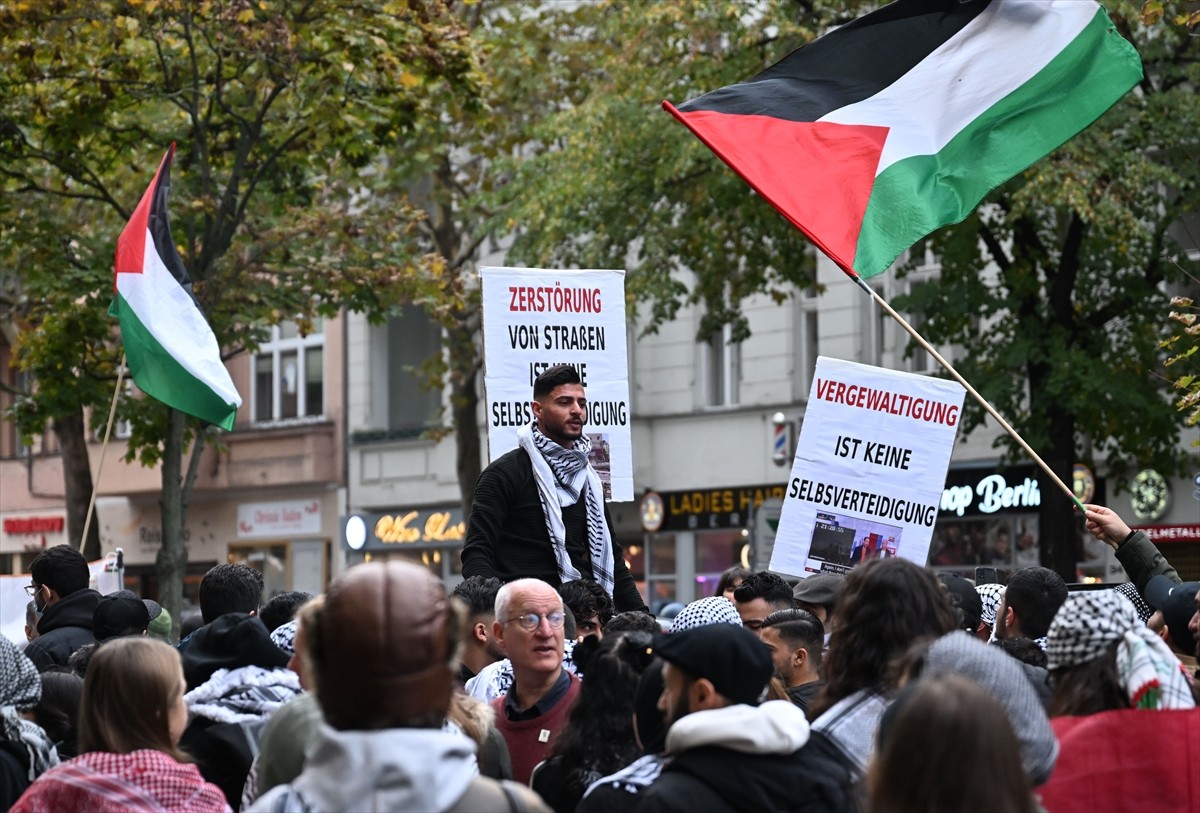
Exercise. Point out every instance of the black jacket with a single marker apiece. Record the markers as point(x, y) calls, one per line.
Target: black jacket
point(507, 536)
point(231, 641)
point(718, 780)
point(66, 625)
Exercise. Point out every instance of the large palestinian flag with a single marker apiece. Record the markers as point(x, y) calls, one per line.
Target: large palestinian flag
point(172, 352)
point(900, 122)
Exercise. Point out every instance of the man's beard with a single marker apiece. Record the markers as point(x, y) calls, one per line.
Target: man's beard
point(680, 709)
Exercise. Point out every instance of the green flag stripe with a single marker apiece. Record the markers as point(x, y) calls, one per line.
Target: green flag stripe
point(160, 376)
point(918, 195)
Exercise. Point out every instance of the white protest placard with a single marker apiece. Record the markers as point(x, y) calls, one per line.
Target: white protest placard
point(536, 318)
point(869, 470)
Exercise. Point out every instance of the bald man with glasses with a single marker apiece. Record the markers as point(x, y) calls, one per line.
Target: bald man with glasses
point(529, 625)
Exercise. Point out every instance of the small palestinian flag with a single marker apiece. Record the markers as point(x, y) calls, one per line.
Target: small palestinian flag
point(900, 122)
point(172, 352)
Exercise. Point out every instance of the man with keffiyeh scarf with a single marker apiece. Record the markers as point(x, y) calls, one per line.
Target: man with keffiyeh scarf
point(539, 510)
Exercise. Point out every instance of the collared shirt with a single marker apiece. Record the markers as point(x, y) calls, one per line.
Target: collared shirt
point(547, 701)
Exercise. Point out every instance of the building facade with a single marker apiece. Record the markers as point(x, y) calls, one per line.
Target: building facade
point(706, 418)
point(270, 498)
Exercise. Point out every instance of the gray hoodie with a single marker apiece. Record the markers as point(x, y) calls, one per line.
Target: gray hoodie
point(399, 769)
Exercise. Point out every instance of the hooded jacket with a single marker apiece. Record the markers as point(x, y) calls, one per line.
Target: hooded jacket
point(228, 714)
point(399, 769)
point(746, 759)
point(231, 641)
point(66, 625)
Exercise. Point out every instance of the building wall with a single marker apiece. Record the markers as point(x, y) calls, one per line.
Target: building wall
point(271, 494)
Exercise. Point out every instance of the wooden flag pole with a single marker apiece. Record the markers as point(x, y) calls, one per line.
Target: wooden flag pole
point(991, 410)
point(112, 412)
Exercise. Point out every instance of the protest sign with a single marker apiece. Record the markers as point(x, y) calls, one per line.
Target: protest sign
point(536, 318)
point(869, 470)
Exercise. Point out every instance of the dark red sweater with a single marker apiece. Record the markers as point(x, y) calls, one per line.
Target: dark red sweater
point(527, 745)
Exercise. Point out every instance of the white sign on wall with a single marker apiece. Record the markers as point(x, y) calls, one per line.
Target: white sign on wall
point(259, 520)
point(869, 469)
point(534, 319)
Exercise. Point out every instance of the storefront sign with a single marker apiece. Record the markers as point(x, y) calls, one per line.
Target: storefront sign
point(259, 520)
point(534, 319)
point(1160, 534)
point(420, 528)
point(704, 508)
point(26, 533)
point(1015, 490)
point(869, 469)
point(34, 525)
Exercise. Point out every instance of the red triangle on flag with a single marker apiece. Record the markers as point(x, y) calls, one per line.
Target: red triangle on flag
point(131, 245)
point(819, 175)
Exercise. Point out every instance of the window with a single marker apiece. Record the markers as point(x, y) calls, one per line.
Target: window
point(807, 341)
point(874, 327)
point(723, 368)
point(289, 374)
point(400, 401)
point(920, 361)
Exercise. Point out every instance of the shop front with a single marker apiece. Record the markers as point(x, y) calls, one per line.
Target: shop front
point(692, 536)
point(25, 534)
point(430, 537)
point(989, 517)
point(284, 539)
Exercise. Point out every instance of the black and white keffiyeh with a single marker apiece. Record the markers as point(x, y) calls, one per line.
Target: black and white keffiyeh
point(20, 690)
point(563, 476)
point(1087, 623)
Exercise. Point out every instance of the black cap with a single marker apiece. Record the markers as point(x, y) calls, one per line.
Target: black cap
point(152, 607)
point(966, 599)
point(115, 616)
point(733, 659)
point(1178, 604)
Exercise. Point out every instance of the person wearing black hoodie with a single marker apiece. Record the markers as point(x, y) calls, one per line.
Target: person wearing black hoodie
point(228, 710)
point(60, 577)
point(727, 753)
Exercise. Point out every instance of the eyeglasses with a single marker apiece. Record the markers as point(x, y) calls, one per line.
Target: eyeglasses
point(531, 621)
point(32, 590)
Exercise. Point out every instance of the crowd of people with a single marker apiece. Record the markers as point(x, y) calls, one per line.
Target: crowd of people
point(543, 683)
point(889, 689)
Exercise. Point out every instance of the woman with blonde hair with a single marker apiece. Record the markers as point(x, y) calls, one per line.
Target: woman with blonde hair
point(130, 720)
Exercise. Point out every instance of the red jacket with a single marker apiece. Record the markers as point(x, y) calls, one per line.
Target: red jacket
point(1128, 760)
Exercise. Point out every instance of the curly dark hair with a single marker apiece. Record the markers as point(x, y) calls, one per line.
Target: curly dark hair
point(598, 737)
point(282, 608)
point(586, 599)
point(765, 585)
point(631, 621)
point(886, 606)
point(479, 594)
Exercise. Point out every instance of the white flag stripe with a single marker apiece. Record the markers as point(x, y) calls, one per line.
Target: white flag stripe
point(166, 310)
point(994, 54)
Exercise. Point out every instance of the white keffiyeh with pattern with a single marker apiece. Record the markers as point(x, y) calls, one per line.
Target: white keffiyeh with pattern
point(563, 475)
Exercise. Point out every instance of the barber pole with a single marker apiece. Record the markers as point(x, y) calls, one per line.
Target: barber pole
point(780, 442)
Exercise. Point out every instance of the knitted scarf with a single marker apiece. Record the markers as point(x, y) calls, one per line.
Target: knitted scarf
point(564, 475)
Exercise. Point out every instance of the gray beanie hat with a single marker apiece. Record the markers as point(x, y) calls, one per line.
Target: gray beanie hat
point(1002, 676)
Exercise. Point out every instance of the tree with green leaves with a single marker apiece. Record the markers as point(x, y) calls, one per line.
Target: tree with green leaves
point(1052, 290)
point(281, 111)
